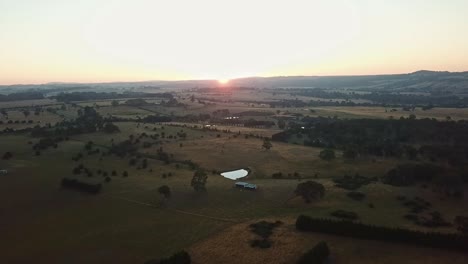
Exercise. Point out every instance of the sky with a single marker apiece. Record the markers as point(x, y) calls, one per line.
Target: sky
point(136, 40)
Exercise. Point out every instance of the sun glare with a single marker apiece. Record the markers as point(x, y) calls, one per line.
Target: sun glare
point(223, 81)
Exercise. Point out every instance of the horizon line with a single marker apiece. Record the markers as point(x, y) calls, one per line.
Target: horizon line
point(232, 79)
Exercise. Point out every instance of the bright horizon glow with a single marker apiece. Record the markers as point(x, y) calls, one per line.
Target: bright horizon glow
point(223, 81)
point(138, 40)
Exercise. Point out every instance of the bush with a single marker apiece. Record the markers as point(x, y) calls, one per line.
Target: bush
point(316, 255)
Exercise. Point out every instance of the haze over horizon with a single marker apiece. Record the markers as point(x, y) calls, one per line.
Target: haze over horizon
point(111, 41)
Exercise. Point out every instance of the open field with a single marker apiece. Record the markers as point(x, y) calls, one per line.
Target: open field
point(382, 112)
point(232, 246)
point(130, 221)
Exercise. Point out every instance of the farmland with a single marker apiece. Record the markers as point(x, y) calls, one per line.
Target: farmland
point(129, 221)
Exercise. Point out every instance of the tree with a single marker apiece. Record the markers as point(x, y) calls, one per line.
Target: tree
point(115, 103)
point(350, 153)
point(7, 155)
point(267, 144)
point(110, 128)
point(327, 154)
point(199, 180)
point(165, 190)
point(310, 190)
point(281, 124)
point(26, 113)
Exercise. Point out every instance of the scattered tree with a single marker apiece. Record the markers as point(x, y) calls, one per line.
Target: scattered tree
point(199, 180)
point(165, 190)
point(310, 190)
point(327, 154)
point(267, 144)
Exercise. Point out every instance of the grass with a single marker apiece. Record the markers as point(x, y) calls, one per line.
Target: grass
point(119, 226)
point(231, 246)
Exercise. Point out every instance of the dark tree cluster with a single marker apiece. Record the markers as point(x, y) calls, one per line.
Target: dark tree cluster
point(387, 138)
point(165, 191)
point(123, 148)
point(445, 181)
point(418, 206)
point(353, 182)
point(81, 186)
point(310, 190)
point(410, 174)
point(86, 96)
point(364, 231)
point(8, 155)
point(199, 180)
point(345, 215)
point(45, 143)
point(280, 175)
point(21, 96)
point(382, 98)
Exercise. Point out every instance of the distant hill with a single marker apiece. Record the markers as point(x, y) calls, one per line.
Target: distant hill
point(420, 81)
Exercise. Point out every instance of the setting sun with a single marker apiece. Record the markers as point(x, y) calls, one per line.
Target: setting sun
point(223, 81)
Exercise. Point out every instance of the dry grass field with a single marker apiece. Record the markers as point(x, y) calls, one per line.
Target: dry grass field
point(231, 246)
point(130, 222)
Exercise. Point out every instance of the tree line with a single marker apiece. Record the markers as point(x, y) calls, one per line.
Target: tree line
point(363, 231)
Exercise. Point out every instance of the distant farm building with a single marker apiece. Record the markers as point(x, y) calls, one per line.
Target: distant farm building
point(246, 185)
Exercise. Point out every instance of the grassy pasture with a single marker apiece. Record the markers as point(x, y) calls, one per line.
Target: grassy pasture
point(232, 246)
point(379, 112)
point(129, 222)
